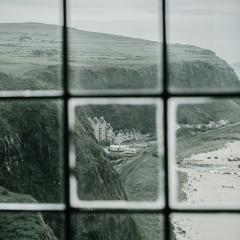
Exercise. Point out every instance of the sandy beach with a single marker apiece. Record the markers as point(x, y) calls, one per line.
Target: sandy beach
point(212, 178)
point(206, 227)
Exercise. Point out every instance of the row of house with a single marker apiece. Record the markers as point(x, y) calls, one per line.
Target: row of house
point(126, 135)
point(210, 125)
point(103, 132)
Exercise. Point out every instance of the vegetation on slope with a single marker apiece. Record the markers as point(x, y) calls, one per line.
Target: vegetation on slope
point(22, 225)
point(30, 149)
point(214, 110)
point(126, 116)
point(29, 140)
point(104, 61)
point(195, 69)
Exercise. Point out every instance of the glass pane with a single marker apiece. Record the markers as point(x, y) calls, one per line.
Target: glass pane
point(31, 151)
point(30, 45)
point(206, 226)
point(206, 162)
point(118, 226)
point(115, 46)
point(118, 150)
point(203, 48)
point(28, 226)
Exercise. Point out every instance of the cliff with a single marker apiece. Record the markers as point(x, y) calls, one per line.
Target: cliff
point(215, 110)
point(193, 68)
point(30, 149)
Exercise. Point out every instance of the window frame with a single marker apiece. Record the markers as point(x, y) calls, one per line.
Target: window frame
point(66, 96)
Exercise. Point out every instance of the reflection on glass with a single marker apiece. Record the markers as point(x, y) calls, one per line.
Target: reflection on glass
point(118, 226)
point(31, 152)
point(203, 41)
point(28, 226)
point(207, 154)
point(115, 46)
point(205, 226)
point(30, 45)
point(118, 154)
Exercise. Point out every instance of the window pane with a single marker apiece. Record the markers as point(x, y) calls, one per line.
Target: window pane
point(206, 226)
point(30, 45)
point(118, 226)
point(206, 161)
point(31, 151)
point(28, 226)
point(115, 46)
point(203, 49)
point(118, 151)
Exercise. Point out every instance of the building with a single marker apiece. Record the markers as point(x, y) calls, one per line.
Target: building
point(102, 130)
point(127, 135)
point(109, 132)
point(95, 124)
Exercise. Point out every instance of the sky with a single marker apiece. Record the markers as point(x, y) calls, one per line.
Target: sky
point(134, 18)
point(211, 24)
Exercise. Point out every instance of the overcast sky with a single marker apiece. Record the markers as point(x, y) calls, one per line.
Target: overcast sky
point(135, 18)
point(212, 24)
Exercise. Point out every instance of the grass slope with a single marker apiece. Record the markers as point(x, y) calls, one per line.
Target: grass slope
point(22, 225)
point(103, 61)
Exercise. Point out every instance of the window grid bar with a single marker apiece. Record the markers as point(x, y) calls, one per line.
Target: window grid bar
point(66, 96)
point(159, 95)
point(165, 97)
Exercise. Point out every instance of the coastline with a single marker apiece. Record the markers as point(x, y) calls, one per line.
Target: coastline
point(210, 177)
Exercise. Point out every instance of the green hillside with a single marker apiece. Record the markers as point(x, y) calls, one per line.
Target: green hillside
point(215, 110)
point(141, 117)
point(195, 69)
point(30, 58)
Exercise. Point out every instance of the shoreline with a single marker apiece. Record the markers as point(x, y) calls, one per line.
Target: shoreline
point(211, 177)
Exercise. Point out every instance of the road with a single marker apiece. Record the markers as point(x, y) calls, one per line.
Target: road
point(135, 161)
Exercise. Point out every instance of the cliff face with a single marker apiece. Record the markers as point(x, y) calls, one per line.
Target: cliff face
point(30, 149)
point(207, 76)
point(195, 69)
point(97, 179)
point(114, 77)
point(31, 164)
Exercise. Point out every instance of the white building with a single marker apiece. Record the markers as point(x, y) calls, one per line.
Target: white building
point(102, 130)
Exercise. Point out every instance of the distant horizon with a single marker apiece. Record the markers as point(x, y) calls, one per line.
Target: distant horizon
point(58, 25)
point(209, 25)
